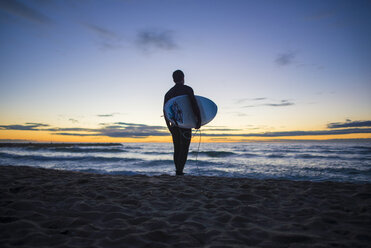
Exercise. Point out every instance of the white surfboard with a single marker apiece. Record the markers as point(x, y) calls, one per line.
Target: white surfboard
point(178, 110)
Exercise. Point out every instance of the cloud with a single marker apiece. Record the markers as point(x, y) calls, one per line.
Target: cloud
point(282, 103)
point(284, 59)
point(135, 130)
point(156, 39)
point(237, 113)
point(298, 133)
point(289, 58)
point(71, 129)
point(108, 39)
point(242, 100)
point(19, 9)
point(73, 120)
point(124, 130)
point(42, 127)
point(37, 124)
point(259, 98)
point(104, 45)
point(76, 134)
point(27, 126)
point(118, 130)
point(13, 141)
point(101, 31)
point(129, 124)
point(349, 123)
point(147, 40)
point(108, 115)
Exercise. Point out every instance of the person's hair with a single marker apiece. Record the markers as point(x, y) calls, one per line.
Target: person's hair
point(178, 76)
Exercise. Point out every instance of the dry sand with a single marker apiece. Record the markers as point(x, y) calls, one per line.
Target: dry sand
point(49, 208)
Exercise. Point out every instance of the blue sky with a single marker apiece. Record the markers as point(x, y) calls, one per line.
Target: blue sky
point(271, 66)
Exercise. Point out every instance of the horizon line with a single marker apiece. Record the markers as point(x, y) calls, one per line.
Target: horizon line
point(14, 141)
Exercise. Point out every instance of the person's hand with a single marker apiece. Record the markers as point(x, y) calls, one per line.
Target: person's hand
point(198, 124)
point(171, 126)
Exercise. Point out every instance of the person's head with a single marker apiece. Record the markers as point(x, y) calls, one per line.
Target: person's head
point(178, 77)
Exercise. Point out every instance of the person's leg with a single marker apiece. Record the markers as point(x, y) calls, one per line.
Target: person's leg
point(175, 133)
point(185, 140)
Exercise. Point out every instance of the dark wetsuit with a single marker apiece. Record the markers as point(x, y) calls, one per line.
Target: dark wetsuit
point(182, 136)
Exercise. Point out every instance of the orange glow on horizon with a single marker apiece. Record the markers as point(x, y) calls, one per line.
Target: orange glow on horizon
point(39, 136)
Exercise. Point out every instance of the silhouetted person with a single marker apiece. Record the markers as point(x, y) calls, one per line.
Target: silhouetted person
point(181, 136)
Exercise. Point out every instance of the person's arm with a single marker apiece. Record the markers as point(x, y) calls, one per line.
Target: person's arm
point(195, 108)
point(168, 124)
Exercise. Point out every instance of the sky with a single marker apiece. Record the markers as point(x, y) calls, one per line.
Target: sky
point(97, 71)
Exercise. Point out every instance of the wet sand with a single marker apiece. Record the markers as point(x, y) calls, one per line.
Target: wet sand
point(50, 208)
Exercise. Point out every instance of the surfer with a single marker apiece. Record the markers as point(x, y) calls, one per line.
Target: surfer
point(181, 136)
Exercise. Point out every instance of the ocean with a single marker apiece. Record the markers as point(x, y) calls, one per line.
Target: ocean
point(314, 161)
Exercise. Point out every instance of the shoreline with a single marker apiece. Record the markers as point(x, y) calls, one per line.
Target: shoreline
point(45, 207)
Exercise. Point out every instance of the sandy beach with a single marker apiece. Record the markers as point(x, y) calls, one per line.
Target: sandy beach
point(50, 208)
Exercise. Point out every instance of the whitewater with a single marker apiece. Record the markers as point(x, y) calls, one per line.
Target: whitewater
point(314, 161)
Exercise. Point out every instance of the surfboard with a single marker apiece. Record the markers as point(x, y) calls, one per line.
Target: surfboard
point(178, 110)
